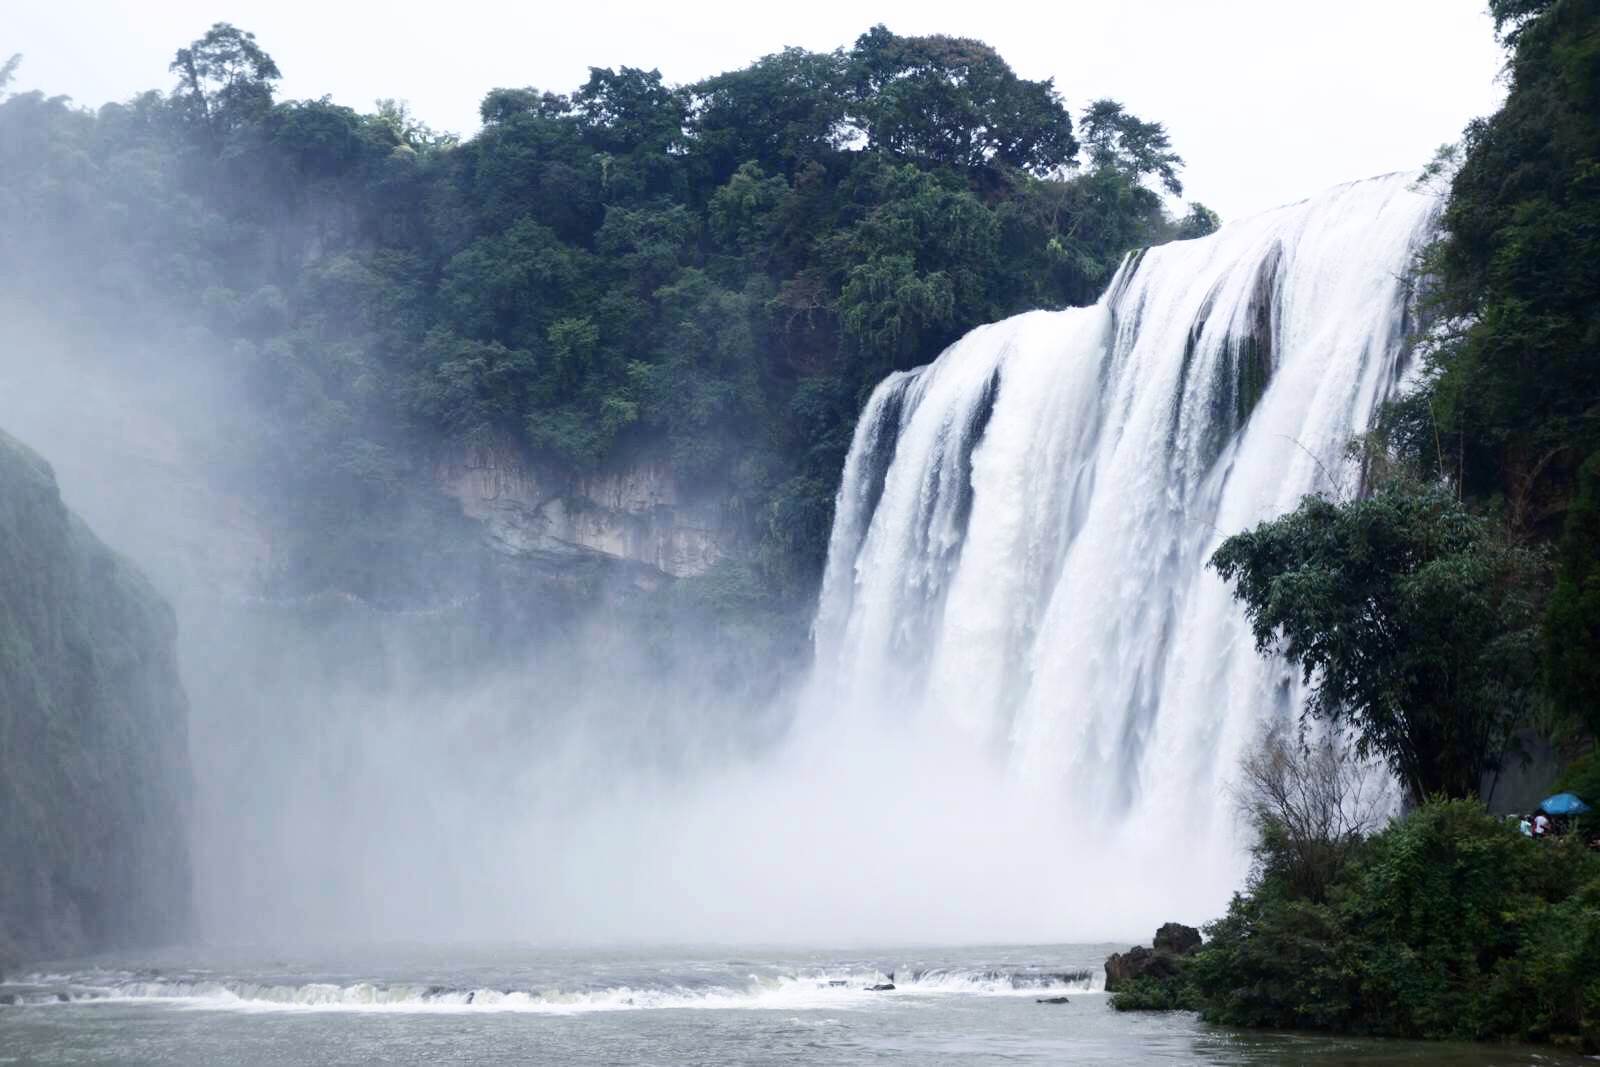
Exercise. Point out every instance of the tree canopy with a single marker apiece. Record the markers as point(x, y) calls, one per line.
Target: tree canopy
point(224, 80)
point(1411, 620)
point(1125, 143)
point(714, 272)
point(953, 101)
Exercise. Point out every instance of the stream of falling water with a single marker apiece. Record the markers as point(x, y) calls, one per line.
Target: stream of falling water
point(1019, 553)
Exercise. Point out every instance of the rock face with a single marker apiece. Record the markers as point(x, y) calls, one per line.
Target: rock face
point(1161, 961)
point(640, 514)
point(1176, 938)
point(94, 767)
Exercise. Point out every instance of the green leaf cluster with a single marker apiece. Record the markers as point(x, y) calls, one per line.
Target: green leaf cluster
point(1510, 406)
point(1447, 924)
point(1412, 620)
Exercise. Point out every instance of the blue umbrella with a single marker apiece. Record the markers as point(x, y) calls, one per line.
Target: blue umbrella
point(1564, 804)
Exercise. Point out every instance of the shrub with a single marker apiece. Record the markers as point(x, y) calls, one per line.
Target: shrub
point(1447, 924)
point(1152, 994)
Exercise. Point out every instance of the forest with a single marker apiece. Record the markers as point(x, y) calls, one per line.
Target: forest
point(713, 273)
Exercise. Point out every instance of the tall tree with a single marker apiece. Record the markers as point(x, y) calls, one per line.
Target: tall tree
point(1410, 618)
point(953, 101)
point(627, 109)
point(224, 80)
point(782, 111)
point(1121, 141)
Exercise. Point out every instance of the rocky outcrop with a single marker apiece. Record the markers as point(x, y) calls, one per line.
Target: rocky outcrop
point(1176, 939)
point(638, 513)
point(94, 771)
point(1160, 962)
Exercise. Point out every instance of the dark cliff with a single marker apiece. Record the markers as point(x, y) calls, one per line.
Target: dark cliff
point(94, 766)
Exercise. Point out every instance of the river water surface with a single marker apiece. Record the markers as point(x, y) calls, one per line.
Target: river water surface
point(679, 1006)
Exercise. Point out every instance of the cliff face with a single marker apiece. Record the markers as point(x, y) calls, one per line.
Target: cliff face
point(94, 767)
point(639, 514)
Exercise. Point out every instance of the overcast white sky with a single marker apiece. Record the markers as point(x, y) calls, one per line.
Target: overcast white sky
point(1267, 100)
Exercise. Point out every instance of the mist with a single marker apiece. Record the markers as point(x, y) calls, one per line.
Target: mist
point(505, 762)
point(367, 774)
point(1007, 712)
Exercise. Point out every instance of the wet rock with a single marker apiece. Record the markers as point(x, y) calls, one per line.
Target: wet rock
point(1176, 938)
point(1049, 978)
point(1162, 961)
point(881, 987)
point(1051, 1000)
point(1138, 962)
point(644, 513)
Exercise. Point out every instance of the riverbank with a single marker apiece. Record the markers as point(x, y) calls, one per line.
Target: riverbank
point(1448, 924)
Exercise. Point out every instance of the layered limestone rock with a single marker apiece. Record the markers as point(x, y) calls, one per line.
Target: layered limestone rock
point(94, 766)
point(640, 514)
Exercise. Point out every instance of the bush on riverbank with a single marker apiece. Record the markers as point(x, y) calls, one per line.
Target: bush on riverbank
point(1155, 994)
point(1447, 924)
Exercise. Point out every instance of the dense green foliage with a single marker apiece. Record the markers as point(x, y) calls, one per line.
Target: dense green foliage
point(1447, 924)
point(1512, 405)
point(1411, 619)
point(714, 272)
point(1582, 776)
point(1156, 994)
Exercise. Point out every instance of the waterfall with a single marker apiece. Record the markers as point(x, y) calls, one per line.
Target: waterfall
point(1018, 558)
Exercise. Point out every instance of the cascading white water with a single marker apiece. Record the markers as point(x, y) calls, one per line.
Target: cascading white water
point(1018, 556)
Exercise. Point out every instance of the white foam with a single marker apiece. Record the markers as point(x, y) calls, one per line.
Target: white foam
point(823, 989)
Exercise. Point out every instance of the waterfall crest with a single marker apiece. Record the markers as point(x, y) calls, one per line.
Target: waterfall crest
point(1018, 555)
